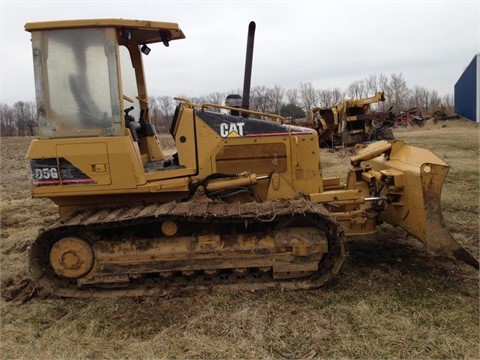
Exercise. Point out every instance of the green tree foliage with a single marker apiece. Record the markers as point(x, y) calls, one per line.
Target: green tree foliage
point(292, 111)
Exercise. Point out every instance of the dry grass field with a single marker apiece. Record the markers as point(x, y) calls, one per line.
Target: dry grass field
point(390, 300)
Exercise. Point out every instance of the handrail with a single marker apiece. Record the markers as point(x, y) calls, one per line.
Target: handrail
point(276, 118)
point(185, 100)
point(273, 117)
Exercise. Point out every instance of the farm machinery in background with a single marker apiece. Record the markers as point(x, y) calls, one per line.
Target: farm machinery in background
point(352, 122)
point(355, 122)
point(409, 118)
point(414, 118)
point(241, 204)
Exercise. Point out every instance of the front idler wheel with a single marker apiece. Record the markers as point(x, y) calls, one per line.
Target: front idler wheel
point(71, 257)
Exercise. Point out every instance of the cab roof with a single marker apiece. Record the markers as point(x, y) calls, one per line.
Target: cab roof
point(143, 31)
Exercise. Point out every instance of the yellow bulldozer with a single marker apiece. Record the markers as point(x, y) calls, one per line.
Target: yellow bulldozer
point(240, 204)
point(353, 122)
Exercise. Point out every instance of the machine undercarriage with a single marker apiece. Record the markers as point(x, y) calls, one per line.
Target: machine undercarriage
point(165, 248)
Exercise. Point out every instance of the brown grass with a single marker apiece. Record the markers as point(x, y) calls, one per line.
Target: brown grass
point(391, 299)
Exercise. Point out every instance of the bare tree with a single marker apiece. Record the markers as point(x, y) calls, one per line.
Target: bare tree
point(417, 98)
point(292, 96)
point(372, 85)
point(32, 120)
point(400, 92)
point(337, 96)
point(383, 84)
point(7, 120)
point(276, 95)
point(357, 90)
point(308, 97)
point(428, 101)
point(25, 118)
point(197, 99)
point(329, 98)
point(448, 104)
point(261, 99)
point(165, 106)
point(435, 102)
point(216, 98)
point(324, 97)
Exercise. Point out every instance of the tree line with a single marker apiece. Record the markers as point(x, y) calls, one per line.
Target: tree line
point(21, 118)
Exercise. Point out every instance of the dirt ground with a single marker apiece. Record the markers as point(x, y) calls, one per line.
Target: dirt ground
point(390, 300)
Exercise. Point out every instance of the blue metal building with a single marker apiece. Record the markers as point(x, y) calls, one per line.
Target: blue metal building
point(467, 91)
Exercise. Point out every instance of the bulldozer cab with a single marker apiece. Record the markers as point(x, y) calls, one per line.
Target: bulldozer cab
point(89, 74)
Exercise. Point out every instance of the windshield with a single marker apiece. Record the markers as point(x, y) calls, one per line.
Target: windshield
point(80, 90)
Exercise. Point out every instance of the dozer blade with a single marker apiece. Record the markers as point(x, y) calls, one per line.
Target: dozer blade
point(413, 179)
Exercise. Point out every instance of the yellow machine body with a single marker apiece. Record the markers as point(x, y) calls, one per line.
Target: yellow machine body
point(240, 201)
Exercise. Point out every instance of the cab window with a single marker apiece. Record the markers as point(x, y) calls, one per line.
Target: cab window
point(80, 82)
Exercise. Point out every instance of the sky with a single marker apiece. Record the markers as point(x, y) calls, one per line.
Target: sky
point(329, 44)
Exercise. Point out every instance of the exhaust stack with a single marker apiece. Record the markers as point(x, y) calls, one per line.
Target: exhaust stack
point(248, 67)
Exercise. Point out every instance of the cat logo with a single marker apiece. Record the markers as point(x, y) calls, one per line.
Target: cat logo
point(231, 129)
